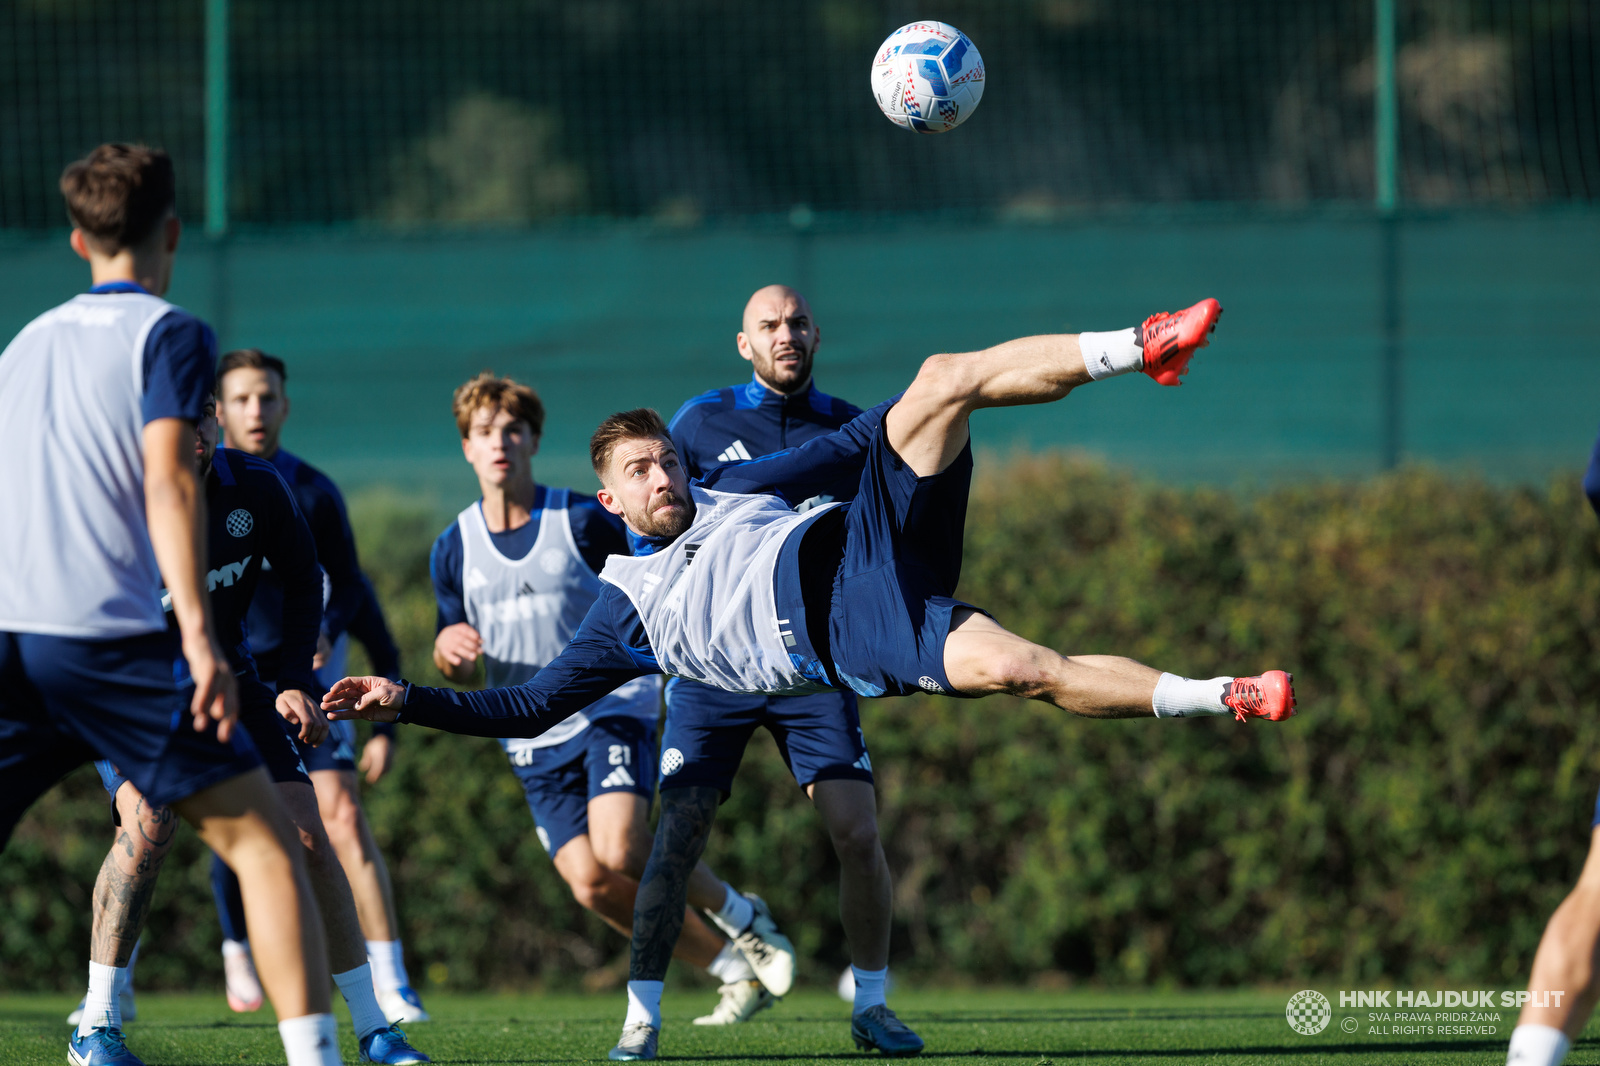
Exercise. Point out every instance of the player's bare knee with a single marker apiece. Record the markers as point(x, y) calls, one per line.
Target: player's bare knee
point(945, 379)
point(1020, 671)
point(592, 890)
point(617, 854)
point(341, 820)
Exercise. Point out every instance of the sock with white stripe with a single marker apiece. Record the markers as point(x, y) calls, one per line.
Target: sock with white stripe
point(310, 1040)
point(644, 1003)
point(388, 964)
point(737, 912)
point(1106, 355)
point(100, 1007)
point(1183, 697)
point(1537, 1045)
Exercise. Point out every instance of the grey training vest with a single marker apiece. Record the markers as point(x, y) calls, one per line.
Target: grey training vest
point(527, 610)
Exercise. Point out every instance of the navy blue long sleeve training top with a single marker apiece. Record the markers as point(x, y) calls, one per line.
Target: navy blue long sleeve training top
point(251, 517)
point(742, 422)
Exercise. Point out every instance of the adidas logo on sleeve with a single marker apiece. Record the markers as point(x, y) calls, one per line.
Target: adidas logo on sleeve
point(734, 452)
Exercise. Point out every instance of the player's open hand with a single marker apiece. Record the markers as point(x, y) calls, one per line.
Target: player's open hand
point(377, 699)
point(300, 709)
point(216, 693)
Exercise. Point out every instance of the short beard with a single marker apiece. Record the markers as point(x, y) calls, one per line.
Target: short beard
point(801, 375)
point(666, 526)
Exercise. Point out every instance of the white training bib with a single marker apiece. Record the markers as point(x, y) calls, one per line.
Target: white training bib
point(75, 554)
point(707, 601)
point(527, 610)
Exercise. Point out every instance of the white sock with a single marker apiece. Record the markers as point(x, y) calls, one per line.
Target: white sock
point(1182, 697)
point(235, 947)
point(1106, 355)
point(311, 1040)
point(730, 965)
point(737, 912)
point(1537, 1045)
point(388, 964)
point(356, 986)
point(644, 1003)
point(870, 990)
point(100, 1009)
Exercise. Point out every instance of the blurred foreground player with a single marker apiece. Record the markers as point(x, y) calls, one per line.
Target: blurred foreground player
point(1565, 983)
point(99, 401)
point(251, 518)
point(819, 735)
point(514, 575)
point(252, 407)
point(730, 585)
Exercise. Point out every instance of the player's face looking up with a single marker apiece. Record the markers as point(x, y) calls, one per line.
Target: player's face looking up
point(253, 409)
point(646, 485)
point(779, 338)
point(500, 446)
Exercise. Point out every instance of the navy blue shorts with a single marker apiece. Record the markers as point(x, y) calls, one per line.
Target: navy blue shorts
point(615, 754)
point(892, 601)
point(65, 702)
point(707, 730)
point(259, 715)
point(337, 752)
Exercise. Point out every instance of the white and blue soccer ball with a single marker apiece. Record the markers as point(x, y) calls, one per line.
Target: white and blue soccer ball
point(928, 77)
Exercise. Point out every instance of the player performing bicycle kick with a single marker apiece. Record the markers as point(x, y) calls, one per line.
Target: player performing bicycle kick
point(732, 587)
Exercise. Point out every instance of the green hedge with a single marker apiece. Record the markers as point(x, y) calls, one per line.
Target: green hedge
point(1419, 820)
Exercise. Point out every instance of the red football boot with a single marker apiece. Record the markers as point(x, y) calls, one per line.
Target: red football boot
point(1269, 695)
point(1170, 340)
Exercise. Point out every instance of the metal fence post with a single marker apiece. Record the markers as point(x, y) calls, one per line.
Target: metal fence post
point(216, 117)
point(1386, 157)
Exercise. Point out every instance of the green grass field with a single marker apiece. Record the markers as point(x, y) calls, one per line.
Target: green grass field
point(1027, 1028)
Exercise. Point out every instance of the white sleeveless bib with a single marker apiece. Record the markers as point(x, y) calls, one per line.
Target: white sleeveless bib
point(527, 610)
point(75, 553)
point(706, 600)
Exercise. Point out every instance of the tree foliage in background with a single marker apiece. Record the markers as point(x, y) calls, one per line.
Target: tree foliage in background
point(478, 112)
point(1417, 821)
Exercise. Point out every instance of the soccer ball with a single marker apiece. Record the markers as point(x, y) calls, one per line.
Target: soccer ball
point(927, 77)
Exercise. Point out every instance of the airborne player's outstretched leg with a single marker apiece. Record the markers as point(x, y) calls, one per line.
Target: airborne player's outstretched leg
point(927, 429)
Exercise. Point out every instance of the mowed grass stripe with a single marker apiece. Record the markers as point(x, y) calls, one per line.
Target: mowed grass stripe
point(1024, 1027)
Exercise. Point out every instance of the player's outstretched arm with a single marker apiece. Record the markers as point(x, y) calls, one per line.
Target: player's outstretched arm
point(375, 699)
point(594, 663)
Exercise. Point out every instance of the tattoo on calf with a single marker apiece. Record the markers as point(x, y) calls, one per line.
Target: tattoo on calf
point(122, 898)
point(686, 817)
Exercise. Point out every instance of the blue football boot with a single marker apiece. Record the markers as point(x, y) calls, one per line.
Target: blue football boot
point(877, 1027)
point(389, 1046)
point(102, 1047)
